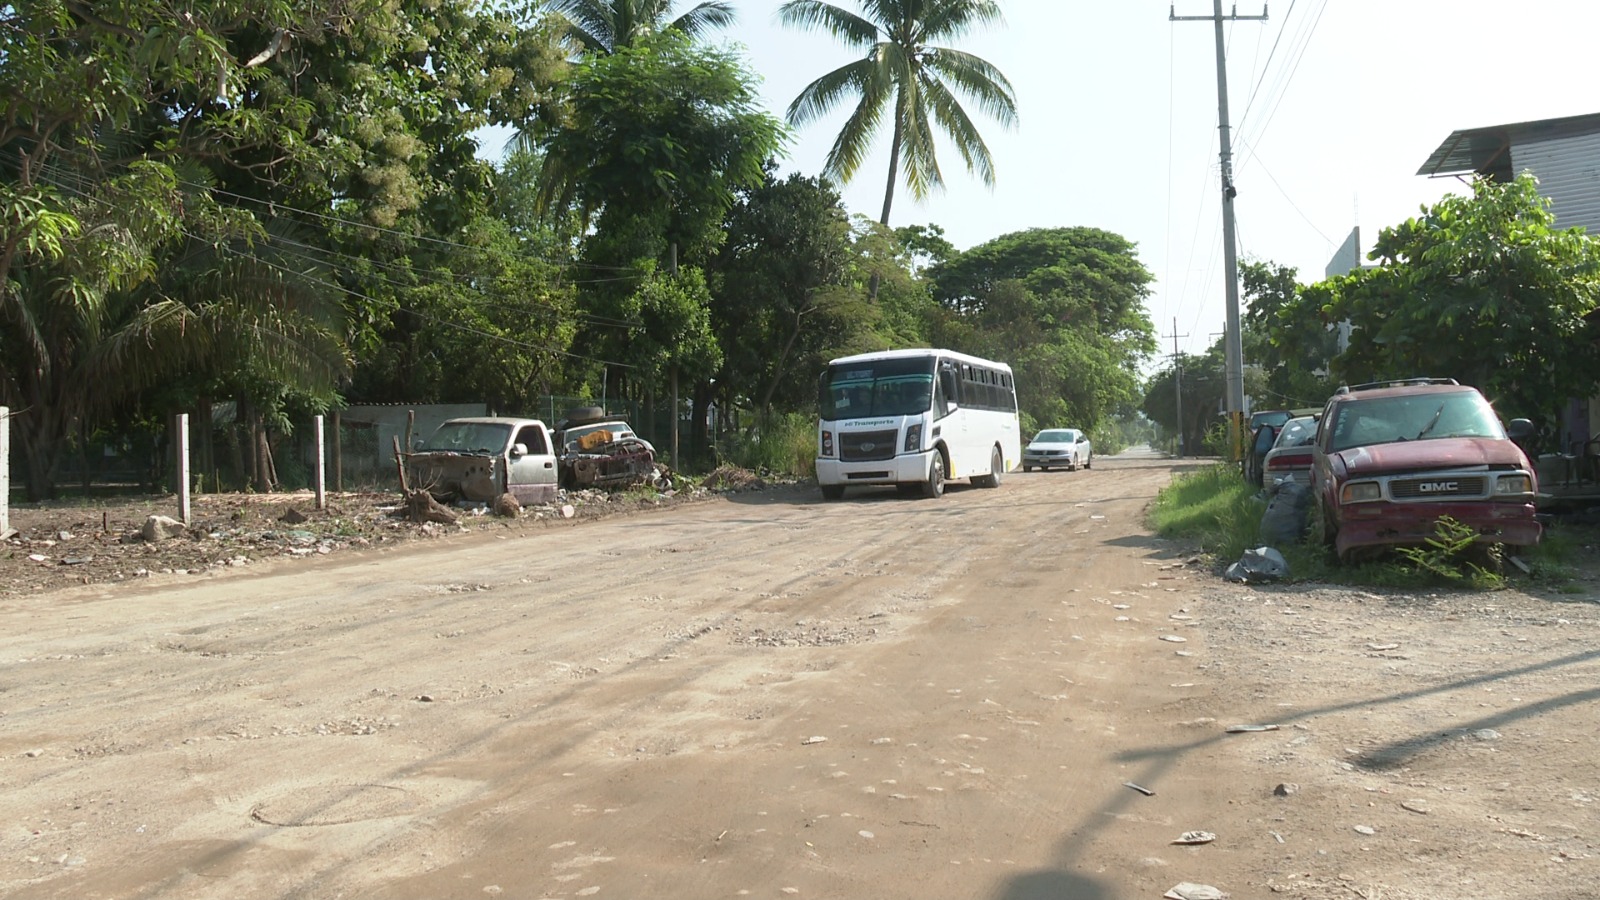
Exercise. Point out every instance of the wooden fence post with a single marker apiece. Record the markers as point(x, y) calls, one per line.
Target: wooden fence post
point(338, 456)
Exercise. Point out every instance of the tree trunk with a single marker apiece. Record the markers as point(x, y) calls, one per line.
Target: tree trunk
point(261, 454)
point(888, 191)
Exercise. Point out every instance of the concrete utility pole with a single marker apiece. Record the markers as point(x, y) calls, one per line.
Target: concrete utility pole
point(1177, 379)
point(1233, 347)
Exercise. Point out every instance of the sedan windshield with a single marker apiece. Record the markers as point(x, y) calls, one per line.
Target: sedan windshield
point(470, 437)
point(1058, 436)
point(1417, 417)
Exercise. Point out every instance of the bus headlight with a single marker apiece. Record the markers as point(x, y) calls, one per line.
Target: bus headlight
point(1361, 492)
point(827, 444)
point(914, 438)
point(1514, 484)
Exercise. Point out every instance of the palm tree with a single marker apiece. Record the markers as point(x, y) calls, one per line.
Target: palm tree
point(602, 26)
point(899, 66)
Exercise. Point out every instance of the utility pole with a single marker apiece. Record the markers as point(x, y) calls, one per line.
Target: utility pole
point(1177, 379)
point(1233, 347)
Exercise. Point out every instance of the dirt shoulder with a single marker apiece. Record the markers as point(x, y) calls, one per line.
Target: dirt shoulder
point(762, 694)
point(76, 543)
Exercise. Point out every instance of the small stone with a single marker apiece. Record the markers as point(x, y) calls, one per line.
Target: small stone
point(568, 511)
point(1486, 734)
point(1174, 638)
point(292, 516)
point(1417, 806)
point(867, 834)
point(1366, 829)
point(1286, 789)
point(815, 739)
point(33, 754)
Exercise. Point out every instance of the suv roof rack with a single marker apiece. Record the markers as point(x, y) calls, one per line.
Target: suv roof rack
point(1398, 382)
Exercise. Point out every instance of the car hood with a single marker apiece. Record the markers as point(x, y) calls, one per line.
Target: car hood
point(1051, 445)
point(1438, 453)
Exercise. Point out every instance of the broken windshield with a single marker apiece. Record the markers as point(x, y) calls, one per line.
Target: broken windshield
point(470, 437)
point(1428, 416)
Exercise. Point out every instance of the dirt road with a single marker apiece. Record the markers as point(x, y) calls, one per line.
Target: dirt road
point(772, 696)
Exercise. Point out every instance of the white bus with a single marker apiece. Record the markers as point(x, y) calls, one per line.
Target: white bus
point(914, 418)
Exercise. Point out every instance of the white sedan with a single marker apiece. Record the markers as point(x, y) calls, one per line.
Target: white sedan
point(1060, 448)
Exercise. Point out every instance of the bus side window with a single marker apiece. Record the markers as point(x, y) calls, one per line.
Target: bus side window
point(945, 393)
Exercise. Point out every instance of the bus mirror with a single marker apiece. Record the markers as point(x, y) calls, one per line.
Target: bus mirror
point(949, 407)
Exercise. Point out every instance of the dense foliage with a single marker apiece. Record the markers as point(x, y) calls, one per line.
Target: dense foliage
point(267, 210)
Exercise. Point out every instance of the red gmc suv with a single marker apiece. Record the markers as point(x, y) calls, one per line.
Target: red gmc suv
point(1391, 458)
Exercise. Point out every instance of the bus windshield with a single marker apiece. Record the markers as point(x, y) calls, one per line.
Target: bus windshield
point(884, 387)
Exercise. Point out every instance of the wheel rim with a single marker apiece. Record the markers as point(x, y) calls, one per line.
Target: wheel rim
point(996, 467)
point(936, 476)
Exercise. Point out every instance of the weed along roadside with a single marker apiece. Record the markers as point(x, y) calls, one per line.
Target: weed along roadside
point(1221, 512)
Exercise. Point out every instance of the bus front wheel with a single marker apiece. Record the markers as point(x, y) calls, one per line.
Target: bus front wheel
point(833, 492)
point(934, 486)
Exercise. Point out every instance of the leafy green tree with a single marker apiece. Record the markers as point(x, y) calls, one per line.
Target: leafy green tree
point(1065, 306)
point(782, 289)
point(1285, 334)
point(604, 26)
point(899, 69)
point(1482, 288)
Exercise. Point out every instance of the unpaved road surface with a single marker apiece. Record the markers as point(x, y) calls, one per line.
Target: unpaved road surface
point(772, 696)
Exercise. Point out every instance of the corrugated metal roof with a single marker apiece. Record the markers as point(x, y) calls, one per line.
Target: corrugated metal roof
point(1487, 150)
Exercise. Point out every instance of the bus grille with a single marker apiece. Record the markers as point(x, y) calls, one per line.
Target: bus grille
point(865, 446)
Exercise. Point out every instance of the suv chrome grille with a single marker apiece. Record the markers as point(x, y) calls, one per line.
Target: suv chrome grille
point(865, 446)
point(1439, 488)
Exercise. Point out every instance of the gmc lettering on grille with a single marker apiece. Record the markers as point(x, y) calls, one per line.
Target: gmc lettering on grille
point(1437, 487)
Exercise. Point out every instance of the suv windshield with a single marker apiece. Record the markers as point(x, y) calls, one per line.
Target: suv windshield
point(470, 437)
point(1416, 417)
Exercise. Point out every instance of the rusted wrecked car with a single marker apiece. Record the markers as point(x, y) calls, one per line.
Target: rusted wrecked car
point(480, 459)
point(598, 450)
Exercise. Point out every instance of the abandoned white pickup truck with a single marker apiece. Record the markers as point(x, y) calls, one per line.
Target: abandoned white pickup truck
point(478, 459)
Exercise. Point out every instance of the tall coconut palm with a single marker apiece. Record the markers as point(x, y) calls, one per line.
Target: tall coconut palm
point(899, 69)
point(601, 26)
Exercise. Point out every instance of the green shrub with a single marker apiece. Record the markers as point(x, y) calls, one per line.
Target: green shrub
point(786, 445)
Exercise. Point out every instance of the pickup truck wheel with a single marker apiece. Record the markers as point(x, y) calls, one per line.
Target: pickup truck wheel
point(1089, 463)
point(832, 491)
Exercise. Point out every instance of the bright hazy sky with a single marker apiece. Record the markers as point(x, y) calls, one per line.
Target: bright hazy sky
point(1118, 122)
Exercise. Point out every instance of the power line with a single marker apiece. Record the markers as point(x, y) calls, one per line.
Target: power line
point(1250, 101)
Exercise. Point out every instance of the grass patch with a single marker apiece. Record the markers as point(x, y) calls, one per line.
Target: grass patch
point(1213, 507)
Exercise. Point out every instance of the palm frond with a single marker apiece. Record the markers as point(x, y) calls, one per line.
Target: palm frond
point(855, 138)
point(814, 15)
point(819, 97)
point(707, 17)
point(954, 121)
point(944, 19)
point(592, 23)
point(978, 79)
point(920, 164)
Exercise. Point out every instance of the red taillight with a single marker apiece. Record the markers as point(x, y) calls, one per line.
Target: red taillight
point(827, 443)
point(1289, 461)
